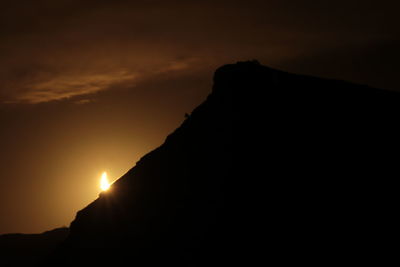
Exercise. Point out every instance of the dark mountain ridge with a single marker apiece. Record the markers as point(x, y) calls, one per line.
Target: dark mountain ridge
point(269, 157)
point(271, 167)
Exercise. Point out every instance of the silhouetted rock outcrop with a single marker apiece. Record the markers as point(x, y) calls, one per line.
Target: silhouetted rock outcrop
point(272, 166)
point(26, 249)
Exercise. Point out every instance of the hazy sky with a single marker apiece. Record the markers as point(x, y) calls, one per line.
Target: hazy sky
point(91, 86)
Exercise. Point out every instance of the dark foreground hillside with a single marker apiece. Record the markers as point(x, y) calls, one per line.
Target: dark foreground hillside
point(271, 168)
point(26, 249)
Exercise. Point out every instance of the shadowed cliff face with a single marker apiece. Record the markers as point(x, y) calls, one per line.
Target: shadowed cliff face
point(270, 165)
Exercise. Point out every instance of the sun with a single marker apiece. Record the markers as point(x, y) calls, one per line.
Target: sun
point(104, 184)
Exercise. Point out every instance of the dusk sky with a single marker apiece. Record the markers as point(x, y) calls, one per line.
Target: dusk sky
point(92, 86)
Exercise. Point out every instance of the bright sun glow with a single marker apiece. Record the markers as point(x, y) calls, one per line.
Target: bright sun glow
point(104, 184)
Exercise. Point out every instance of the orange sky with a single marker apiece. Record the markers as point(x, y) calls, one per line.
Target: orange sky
point(91, 86)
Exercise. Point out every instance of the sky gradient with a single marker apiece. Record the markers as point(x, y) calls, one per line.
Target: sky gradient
point(93, 86)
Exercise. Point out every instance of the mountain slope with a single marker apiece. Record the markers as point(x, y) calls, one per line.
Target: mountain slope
point(271, 165)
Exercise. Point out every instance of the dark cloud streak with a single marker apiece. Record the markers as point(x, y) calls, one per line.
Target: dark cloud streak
point(47, 41)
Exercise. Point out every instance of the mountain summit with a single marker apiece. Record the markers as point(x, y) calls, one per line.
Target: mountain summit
point(272, 166)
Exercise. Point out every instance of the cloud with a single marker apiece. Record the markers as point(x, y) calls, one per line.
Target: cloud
point(62, 87)
point(54, 50)
point(37, 86)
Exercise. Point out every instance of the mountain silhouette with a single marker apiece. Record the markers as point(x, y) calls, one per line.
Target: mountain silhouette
point(26, 249)
point(271, 167)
